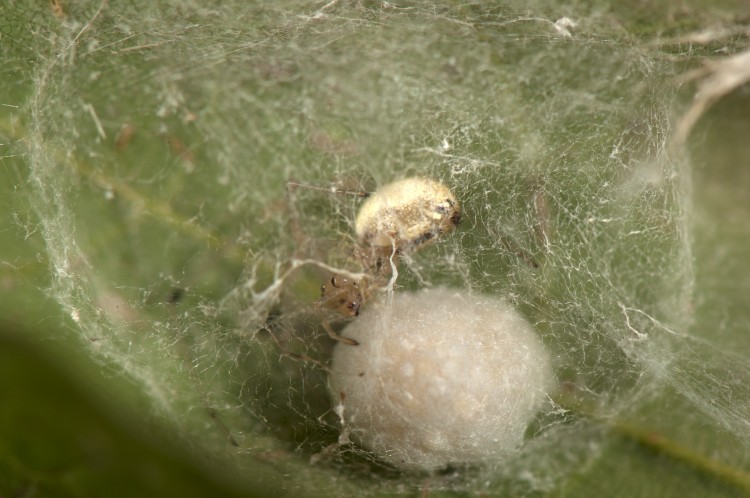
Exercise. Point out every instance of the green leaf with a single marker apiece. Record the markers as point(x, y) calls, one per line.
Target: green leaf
point(158, 281)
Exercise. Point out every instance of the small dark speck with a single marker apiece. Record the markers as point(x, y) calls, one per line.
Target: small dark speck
point(175, 295)
point(361, 374)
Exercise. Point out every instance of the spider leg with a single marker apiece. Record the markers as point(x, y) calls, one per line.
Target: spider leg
point(334, 335)
point(294, 184)
point(294, 356)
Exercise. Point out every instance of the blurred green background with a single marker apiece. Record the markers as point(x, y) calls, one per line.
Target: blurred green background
point(125, 251)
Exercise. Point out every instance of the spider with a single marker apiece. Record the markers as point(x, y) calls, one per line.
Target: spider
point(398, 218)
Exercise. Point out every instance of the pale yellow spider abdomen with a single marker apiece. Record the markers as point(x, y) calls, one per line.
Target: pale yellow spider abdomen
point(406, 214)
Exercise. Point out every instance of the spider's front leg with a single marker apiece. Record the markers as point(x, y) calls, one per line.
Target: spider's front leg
point(333, 335)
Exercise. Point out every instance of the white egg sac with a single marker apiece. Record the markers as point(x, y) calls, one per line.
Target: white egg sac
point(440, 378)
